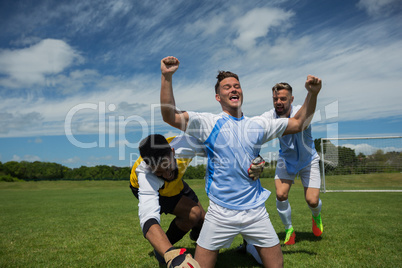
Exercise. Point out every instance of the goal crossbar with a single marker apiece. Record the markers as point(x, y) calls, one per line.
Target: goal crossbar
point(363, 138)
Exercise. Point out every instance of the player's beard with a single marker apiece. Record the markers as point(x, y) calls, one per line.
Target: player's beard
point(282, 112)
point(175, 175)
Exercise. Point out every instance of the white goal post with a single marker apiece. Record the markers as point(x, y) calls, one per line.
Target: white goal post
point(361, 164)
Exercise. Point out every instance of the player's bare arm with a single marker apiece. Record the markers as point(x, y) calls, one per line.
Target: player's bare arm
point(158, 239)
point(170, 114)
point(304, 116)
point(172, 256)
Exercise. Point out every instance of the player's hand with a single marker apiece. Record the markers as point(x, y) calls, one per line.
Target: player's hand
point(256, 168)
point(169, 65)
point(177, 258)
point(313, 84)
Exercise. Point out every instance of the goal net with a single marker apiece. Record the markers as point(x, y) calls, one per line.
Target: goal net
point(361, 164)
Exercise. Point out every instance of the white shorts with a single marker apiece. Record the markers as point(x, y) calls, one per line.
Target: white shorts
point(221, 225)
point(310, 175)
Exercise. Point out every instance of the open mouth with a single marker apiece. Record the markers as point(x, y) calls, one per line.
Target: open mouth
point(234, 98)
point(279, 110)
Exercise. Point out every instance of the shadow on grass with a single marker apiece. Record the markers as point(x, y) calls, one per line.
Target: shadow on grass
point(236, 258)
point(227, 258)
point(301, 236)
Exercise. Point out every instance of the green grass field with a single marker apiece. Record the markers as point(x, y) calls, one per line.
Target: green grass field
point(95, 224)
point(374, 181)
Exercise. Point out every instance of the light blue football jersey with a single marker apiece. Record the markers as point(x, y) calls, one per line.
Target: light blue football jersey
point(231, 144)
point(297, 149)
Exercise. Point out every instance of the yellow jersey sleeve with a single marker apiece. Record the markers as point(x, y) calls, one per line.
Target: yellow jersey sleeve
point(133, 175)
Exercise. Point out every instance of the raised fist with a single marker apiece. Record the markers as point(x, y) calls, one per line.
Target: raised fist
point(169, 65)
point(313, 84)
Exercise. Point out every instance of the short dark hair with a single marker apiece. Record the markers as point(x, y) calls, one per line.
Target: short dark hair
point(222, 75)
point(153, 148)
point(282, 85)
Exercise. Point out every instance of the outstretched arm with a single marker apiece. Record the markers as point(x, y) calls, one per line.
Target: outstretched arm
point(173, 257)
point(170, 114)
point(158, 239)
point(303, 117)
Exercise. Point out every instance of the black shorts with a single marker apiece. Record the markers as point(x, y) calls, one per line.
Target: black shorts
point(168, 204)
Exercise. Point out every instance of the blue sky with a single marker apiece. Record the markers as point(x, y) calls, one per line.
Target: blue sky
point(80, 80)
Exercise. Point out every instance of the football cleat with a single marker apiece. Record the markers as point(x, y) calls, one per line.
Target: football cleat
point(290, 236)
point(318, 228)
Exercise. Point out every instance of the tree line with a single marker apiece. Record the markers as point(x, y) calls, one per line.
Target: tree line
point(347, 162)
point(35, 171)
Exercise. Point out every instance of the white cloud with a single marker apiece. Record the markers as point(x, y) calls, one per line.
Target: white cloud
point(206, 26)
point(120, 6)
point(75, 81)
point(36, 140)
point(17, 121)
point(72, 160)
point(257, 23)
point(368, 149)
point(29, 158)
point(33, 116)
point(30, 66)
point(378, 7)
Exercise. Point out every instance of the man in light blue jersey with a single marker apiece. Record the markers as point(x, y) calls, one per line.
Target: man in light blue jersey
point(232, 141)
point(297, 155)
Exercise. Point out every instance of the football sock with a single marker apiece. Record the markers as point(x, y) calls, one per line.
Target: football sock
point(174, 233)
point(316, 211)
point(195, 233)
point(285, 212)
point(251, 249)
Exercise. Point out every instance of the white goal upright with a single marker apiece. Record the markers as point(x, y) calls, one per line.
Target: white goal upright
point(362, 164)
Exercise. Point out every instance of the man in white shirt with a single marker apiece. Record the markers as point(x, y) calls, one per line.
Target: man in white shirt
point(232, 140)
point(297, 156)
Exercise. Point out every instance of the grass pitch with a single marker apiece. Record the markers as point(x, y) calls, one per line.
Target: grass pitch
point(95, 224)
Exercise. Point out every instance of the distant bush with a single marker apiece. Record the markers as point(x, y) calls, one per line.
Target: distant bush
point(197, 172)
point(8, 178)
point(37, 171)
point(268, 172)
